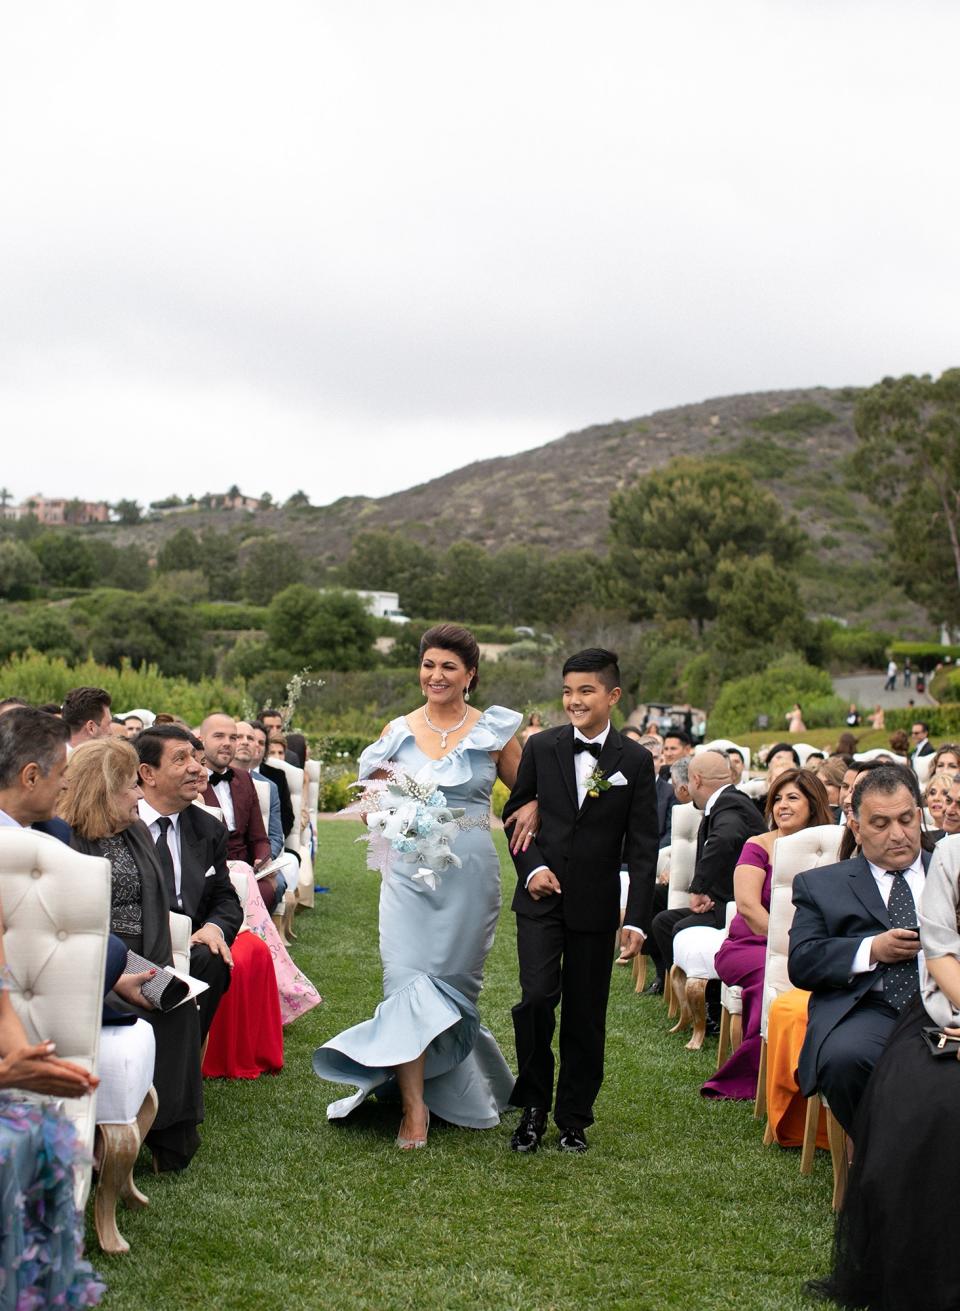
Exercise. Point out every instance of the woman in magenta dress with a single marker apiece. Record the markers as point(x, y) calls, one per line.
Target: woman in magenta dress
point(797, 800)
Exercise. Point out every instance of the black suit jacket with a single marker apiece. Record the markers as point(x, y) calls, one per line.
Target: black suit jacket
point(836, 907)
point(54, 828)
point(583, 846)
point(666, 800)
point(923, 750)
point(733, 818)
point(283, 787)
point(207, 898)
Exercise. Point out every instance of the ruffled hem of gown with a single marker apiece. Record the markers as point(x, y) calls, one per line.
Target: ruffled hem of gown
point(466, 1080)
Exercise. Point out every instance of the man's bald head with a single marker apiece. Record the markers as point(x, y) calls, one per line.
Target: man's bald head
point(248, 752)
point(218, 733)
point(709, 772)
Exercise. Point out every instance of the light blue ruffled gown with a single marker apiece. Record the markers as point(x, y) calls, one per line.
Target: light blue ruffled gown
point(433, 945)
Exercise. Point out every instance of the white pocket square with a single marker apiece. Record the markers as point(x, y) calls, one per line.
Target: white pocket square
point(617, 780)
point(210, 873)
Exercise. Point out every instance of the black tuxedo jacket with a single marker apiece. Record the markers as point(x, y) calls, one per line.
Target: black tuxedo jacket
point(836, 907)
point(584, 846)
point(733, 818)
point(283, 787)
point(925, 749)
point(207, 898)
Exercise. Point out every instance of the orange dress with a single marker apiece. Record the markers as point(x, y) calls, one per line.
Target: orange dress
point(786, 1106)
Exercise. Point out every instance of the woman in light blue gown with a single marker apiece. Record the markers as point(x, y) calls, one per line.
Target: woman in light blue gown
point(425, 1039)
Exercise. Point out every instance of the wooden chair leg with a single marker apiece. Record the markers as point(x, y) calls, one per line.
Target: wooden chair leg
point(838, 1155)
point(679, 984)
point(811, 1120)
point(760, 1102)
point(696, 999)
point(670, 994)
point(279, 918)
point(724, 1042)
point(130, 1194)
point(736, 1031)
point(640, 972)
point(119, 1144)
point(290, 905)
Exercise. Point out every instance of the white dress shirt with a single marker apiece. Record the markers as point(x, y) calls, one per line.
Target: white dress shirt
point(7, 821)
point(225, 797)
point(584, 762)
point(150, 818)
point(862, 964)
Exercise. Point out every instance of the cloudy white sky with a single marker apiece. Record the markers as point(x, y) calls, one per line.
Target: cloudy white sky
point(347, 245)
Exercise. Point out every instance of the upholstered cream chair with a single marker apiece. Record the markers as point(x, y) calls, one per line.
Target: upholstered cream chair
point(56, 916)
point(640, 962)
point(292, 839)
point(685, 825)
point(724, 744)
point(263, 796)
point(792, 855)
point(881, 751)
point(731, 1009)
point(921, 767)
point(805, 750)
point(126, 1109)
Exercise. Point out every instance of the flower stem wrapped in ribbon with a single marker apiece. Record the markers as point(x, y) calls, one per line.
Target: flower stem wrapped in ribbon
point(410, 819)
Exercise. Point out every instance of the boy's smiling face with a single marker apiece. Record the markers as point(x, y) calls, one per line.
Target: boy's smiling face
point(587, 701)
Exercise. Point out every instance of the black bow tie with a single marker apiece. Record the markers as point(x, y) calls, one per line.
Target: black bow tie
point(216, 778)
point(593, 747)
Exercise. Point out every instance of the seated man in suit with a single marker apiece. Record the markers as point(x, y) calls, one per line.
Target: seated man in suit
point(33, 777)
point(262, 766)
point(247, 759)
point(854, 941)
point(86, 712)
point(192, 847)
point(666, 798)
point(233, 792)
point(729, 818)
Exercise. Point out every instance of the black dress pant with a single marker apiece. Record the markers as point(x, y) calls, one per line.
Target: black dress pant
point(850, 1051)
point(212, 970)
point(559, 965)
point(670, 922)
point(661, 893)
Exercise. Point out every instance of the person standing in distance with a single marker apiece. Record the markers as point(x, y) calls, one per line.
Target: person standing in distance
point(597, 802)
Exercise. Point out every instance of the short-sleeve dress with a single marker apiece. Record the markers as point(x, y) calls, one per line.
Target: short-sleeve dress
point(433, 944)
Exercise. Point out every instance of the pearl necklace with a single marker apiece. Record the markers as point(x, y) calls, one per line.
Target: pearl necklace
point(445, 732)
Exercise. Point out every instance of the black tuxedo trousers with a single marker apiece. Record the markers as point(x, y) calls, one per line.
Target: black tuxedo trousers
point(556, 961)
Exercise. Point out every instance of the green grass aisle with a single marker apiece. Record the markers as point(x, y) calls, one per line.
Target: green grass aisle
point(677, 1203)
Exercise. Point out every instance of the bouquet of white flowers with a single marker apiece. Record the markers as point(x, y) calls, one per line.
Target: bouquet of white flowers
point(411, 819)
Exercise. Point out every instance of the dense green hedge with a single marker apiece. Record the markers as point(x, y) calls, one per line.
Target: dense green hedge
point(944, 720)
point(925, 654)
point(38, 678)
point(230, 616)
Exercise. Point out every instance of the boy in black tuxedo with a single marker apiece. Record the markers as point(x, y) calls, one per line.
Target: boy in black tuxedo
point(597, 802)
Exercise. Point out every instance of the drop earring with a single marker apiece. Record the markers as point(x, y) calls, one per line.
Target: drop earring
point(466, 695)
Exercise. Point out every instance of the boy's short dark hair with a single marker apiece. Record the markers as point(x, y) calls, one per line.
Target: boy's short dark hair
point(595, 660)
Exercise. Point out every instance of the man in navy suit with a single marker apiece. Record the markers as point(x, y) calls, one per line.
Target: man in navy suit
point(854, 942)
point(33, 765)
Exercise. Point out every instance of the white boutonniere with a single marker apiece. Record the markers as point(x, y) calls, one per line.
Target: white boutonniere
point(597, 783)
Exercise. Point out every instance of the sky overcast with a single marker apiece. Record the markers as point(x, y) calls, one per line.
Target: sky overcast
point(348, 246)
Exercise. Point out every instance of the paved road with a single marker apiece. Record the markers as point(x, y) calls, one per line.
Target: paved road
point(867, 690)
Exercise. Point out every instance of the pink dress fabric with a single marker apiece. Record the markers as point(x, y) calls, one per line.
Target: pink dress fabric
point(297, 993)
point(741, 962)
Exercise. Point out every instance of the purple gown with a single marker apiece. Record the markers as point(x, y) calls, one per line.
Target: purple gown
point(740, 963)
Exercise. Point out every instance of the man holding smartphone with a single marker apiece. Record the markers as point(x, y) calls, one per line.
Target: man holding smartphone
point(855, 944)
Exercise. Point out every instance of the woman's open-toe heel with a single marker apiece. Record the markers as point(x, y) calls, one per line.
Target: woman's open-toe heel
point(408, 1144)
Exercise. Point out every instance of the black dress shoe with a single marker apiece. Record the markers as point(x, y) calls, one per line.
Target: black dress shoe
point(573, 1140)
point(532, 1127)
point(712, 1029)
point(654, 989)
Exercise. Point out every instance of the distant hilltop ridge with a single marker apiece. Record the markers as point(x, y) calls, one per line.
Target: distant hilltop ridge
point(557, 496)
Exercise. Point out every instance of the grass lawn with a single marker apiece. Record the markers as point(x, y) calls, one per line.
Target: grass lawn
point(676, 1205)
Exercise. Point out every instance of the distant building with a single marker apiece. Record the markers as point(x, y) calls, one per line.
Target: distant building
point(384, 605)
point(54, 510)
